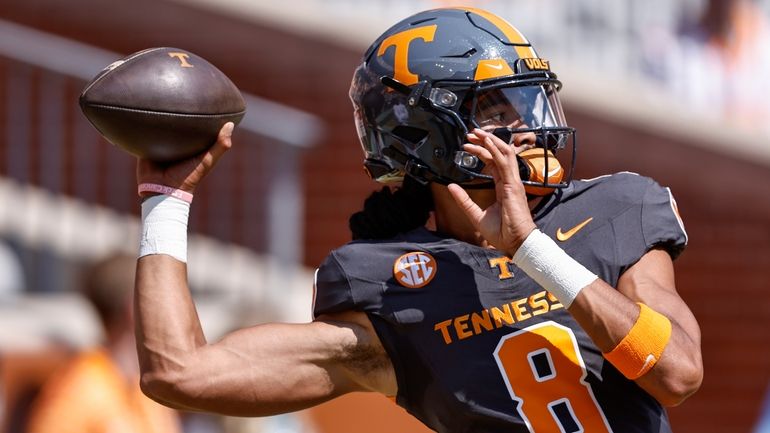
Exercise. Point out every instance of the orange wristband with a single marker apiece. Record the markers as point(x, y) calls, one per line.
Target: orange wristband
point(641, 349)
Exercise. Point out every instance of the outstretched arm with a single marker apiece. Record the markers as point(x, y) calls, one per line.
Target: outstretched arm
point(606, 314)
point(262, 370)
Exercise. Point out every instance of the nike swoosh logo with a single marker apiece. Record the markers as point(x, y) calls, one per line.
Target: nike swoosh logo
point(495, 66)
point(650, 359)
point(552, 172)
point(563, 236)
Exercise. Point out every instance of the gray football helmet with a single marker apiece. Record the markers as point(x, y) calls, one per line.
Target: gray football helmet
point(430, 79)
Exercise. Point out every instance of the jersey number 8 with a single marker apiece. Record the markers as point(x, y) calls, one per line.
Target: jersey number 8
point(545, 373)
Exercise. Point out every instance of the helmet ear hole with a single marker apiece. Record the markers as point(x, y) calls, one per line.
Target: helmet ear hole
point(410, 135)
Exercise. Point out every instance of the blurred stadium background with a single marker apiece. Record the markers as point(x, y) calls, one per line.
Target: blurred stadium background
point(674, 89)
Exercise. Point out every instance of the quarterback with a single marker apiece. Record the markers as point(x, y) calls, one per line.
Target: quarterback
point(485, 290)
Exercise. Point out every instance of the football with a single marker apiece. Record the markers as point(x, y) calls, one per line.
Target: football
point(164, 104)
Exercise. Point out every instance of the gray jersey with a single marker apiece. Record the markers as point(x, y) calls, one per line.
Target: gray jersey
point(478, 346)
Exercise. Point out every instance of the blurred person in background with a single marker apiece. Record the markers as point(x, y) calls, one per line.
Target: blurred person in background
point(718, 62)
point(98, 391)
point(483, 323)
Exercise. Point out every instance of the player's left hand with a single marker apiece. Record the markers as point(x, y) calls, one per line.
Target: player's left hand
point(508, 222)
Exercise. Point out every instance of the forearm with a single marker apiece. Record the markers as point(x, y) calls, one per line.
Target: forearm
point(608, 315)
point(662, 355)
point(168, 330)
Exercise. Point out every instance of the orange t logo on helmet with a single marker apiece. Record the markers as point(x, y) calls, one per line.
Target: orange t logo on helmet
point(401, 43)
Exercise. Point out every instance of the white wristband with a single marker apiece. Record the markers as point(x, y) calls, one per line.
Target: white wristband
point(164, 227)
point(551, 267)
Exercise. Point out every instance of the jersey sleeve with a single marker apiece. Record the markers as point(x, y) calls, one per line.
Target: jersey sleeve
point(649, 220)
point(332, 290)
point(353, 278)
point(661, 224)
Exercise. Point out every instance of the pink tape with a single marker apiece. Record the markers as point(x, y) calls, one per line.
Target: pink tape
point(166, 190)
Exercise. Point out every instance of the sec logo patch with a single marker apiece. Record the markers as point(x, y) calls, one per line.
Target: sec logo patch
point(414, 270)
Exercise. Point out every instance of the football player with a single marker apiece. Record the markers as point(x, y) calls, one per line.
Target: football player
point(534, 303)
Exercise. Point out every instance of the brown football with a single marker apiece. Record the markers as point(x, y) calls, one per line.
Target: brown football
point(164, 104)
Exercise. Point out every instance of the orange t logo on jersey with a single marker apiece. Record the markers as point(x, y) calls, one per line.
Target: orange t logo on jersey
point(401, 41)
point(414, 270)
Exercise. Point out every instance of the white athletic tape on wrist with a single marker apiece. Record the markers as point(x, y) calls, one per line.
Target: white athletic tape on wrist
point(551, 267)
point(164, 227)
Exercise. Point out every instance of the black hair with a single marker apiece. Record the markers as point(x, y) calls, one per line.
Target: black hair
point(391, 211)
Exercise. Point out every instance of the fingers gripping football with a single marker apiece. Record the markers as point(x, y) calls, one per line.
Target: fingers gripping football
point(508, 222)
point(186, 174)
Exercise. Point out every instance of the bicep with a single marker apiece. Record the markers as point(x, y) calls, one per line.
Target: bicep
point(275, 368)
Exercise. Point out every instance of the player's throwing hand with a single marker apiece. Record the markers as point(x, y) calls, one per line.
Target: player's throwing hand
point(185, 175)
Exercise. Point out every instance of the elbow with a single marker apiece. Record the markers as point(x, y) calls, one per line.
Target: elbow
point(161, 387)
point(674, 396)
point(675, 389)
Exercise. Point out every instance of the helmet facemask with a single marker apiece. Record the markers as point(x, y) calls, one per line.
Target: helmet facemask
point(527, 116)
